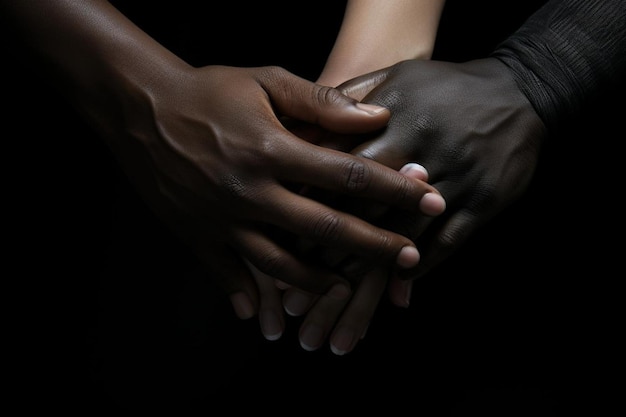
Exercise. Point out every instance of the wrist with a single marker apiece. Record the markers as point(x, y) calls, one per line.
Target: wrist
point(337, 71)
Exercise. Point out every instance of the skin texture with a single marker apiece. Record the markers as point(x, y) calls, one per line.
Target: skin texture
point(478, 138)
point(362, 46)
point(450, 124)
point(482, 147)
point(215, 162)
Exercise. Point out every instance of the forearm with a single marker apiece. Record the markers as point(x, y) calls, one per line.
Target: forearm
point(566, 53)
point(89, 50)
point(375, 34)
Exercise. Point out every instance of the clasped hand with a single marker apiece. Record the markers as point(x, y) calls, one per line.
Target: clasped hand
point(208, 151)
point(477, 138)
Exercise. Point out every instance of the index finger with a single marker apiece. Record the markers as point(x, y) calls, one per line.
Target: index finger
point(351, 175)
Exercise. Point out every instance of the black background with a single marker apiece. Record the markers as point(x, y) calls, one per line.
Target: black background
point(106, 310)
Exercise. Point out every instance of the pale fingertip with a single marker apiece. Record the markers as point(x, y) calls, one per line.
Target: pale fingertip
point(311, 337)
point(400, 292)
point(242, 305)
point(408, 257)
point(290, 312)
point(343, 341)
point(272, 337)
point(296, 303)
point(337, 351)
point(271, 325)
point(414, 170)
point(307, 347)
point(432, 204)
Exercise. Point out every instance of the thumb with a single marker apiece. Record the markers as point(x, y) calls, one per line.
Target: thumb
point(325, 106)
point(359, 87)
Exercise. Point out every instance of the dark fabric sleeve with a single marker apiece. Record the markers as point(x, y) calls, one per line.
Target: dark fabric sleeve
point(566, 53)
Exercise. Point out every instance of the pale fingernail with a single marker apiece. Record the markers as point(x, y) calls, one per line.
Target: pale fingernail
point(242, 305)
point(297, 303)
point(432, 204)
point(311, 337)
point(413, 167)
point(271, 325)
point(408, 257)
point(370, 108)
point(342, 341)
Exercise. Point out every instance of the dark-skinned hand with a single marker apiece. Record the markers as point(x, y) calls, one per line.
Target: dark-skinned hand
point(206, 149)
point(478, 138)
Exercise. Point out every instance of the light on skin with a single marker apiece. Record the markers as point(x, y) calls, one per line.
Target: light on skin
point(362, 45)
point(371, 26)
point(431, 204)
point(345, 336)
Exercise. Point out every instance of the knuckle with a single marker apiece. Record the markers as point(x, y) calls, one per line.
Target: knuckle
point(357, 176)
point(272, 263)
point(236, 189)
point(383, 249)
point(457, 230)
point(272, 72)
point(326, 228)
point(328, 96)
point(270, 152)
point(402, 188)
point(447, 240)
point(403, 192)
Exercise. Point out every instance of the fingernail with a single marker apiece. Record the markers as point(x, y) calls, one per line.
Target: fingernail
point(408, 257)
point(415, 169)
point(311, 337)
point(271, 325)
point(432, 204)
point(297, 303)
point(242, 305)
point(370, 108)
point(342, 341)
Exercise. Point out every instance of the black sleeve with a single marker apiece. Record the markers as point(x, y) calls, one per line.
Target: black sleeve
point(566, 53)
